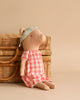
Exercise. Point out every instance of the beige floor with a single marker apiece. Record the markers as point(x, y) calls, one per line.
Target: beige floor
point(67, 88)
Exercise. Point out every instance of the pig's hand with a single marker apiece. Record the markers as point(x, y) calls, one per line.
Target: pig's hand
point(22, 68)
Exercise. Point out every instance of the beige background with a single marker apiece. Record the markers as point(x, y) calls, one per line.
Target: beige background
point(58, 18)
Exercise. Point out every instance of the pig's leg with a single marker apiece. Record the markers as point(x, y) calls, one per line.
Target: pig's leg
point(42, 86)
point(50, 84)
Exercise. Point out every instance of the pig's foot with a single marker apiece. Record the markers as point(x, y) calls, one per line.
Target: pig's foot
point(49, 84)
point(42, 86)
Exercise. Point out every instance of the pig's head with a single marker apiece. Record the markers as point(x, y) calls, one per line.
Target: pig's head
point(33, 39)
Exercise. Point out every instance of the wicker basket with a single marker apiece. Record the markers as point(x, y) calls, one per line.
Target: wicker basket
point(10, 56)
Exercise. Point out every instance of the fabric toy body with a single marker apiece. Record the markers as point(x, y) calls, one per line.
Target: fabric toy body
point(31, 70)
point(34, 71)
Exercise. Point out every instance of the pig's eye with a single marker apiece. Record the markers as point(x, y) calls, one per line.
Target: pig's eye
point(30, 35)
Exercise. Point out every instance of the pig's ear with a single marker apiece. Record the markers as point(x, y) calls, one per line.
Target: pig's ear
point(21, 30)
point(36, 27)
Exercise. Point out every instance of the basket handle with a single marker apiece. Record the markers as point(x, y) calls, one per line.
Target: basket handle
point(11, 76)
point(8, 48)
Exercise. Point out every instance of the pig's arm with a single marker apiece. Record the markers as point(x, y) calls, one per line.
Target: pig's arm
point(23, 62)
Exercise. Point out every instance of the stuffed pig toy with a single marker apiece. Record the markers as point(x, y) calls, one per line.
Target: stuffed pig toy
point(31, 70)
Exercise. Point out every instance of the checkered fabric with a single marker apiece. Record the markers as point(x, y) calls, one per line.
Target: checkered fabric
point(34, 71)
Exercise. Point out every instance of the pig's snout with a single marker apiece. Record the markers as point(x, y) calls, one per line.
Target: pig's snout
point(42, 38)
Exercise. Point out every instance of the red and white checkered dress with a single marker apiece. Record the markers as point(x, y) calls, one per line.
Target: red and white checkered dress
point(34, 71)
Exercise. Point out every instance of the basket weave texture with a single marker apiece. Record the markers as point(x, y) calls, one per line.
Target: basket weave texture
point(10, 57)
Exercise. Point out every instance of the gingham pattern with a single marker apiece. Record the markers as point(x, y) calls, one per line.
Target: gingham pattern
point(34, 71)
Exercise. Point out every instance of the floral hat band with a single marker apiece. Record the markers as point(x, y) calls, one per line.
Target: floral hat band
point(26, 33)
